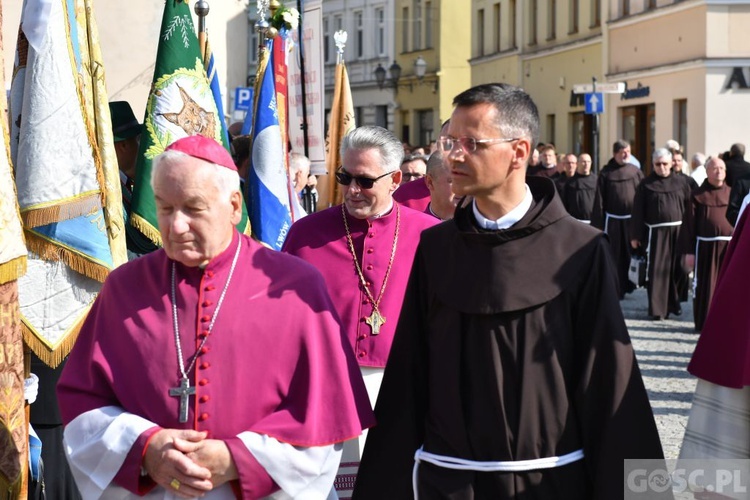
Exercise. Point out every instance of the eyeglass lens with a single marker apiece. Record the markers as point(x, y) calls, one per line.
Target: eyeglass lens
point(345, 179)
point(468, 144)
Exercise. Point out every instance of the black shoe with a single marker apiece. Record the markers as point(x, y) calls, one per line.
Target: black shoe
point(677, 312)
point(656, 318)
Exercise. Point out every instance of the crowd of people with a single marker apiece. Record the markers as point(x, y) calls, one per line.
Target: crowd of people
point(679, 224)
point(452, 329)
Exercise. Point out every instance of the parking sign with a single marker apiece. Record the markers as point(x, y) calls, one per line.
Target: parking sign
point(243, 98)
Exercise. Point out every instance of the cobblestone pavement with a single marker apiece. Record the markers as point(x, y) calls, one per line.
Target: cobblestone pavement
point(663, 349)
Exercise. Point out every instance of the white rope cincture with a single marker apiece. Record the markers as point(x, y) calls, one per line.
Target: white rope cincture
point(651, 227)
point(608, 216)
point(695, 264)
point(501, 466)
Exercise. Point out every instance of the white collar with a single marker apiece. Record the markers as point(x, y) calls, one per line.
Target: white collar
point(508, 219)
point(384, 212)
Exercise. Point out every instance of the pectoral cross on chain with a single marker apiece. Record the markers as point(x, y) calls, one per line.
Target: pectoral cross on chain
point(184, 391)
point(375, 320)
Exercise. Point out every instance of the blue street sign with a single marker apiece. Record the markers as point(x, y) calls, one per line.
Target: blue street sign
point(594, 102)
point(243, 98)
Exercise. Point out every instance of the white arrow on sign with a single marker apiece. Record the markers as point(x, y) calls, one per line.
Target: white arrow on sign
point(594, 101)
point(604, 88)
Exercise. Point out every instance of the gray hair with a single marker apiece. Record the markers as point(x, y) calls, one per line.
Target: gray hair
point(296, 162)
point(660, 153)
point(372, 137)
point(715, 159)
point(435, 165)
point(699, 158)
point(517, 115)
point(226, 180)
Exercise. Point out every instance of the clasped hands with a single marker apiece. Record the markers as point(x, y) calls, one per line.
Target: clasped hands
point(186, 463)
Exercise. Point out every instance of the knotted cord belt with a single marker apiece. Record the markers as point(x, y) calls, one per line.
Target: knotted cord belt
point(651, 227)
point(697, 244)
point(608, 215)
point(503, 466)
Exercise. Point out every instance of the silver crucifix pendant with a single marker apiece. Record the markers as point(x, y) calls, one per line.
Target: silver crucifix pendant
point(183, 392)
point(375, 320)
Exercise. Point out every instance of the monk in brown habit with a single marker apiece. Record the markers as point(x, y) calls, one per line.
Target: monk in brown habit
point(578, 195)
point(511, 374)
point(657, 216)
point(705, 236)
point(613, 206)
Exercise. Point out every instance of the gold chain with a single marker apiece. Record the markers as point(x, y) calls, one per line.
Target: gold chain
point(375, 303)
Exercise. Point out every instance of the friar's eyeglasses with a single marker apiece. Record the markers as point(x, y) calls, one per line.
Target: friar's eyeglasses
point(468, 144)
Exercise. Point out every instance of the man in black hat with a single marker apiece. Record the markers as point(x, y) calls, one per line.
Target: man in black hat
point(127, 132)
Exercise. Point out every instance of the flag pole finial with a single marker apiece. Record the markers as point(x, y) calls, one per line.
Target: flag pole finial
point(339, 38)
point(201, 9)
point(262, 26)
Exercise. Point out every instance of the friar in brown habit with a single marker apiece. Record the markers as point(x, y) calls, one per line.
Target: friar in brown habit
point(613, 207)
point(658, 209)
point(511, 346)
point(705, 236)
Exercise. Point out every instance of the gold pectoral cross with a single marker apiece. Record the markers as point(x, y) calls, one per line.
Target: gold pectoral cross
point(375, 320)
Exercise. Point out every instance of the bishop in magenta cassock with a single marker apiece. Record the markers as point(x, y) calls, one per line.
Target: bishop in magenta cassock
point(364, 248)
point(414, 194)
point(214, 366)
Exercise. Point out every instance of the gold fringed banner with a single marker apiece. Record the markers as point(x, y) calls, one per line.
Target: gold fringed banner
point(49, 356)
point(13, 427)
point(42, 216)
point(13, 269)
point(77, 262)
point(146, 228)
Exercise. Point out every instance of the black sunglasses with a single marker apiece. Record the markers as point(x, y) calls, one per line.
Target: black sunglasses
point(344, 178)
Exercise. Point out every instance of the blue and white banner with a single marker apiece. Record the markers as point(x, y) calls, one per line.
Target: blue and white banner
point(268, 184)
point(213, 80)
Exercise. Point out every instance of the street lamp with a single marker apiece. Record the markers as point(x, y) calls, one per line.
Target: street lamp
point(380, 76)
point(394, 72)
point(420, 67)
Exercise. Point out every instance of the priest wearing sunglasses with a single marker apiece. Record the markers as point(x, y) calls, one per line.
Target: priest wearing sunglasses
point(364, 248)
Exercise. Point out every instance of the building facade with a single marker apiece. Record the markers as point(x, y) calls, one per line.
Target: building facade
point(421, 68)
point(433, 51)
point(129, 37)
point(684, 63)
point(369, 26)
point(678, 60)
